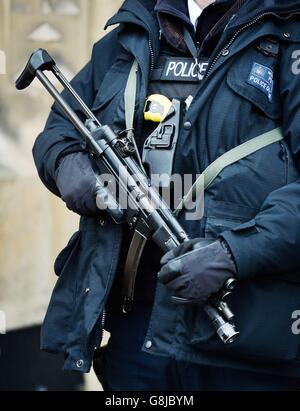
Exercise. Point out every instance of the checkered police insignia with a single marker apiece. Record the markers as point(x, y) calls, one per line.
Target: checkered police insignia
point(262, 77)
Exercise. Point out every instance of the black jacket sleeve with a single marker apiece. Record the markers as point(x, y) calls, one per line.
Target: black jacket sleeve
point(59, 135)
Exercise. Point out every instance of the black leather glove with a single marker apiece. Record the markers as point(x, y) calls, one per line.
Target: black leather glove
point(77, 184)
point(197, 270)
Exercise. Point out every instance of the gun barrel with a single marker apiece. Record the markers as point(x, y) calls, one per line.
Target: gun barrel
point(63, 105)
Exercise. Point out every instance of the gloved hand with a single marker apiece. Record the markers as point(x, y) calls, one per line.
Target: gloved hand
point(77, 184)
point(197, 270)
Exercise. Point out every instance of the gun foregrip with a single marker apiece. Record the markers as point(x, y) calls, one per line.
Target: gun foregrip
point(39, 60)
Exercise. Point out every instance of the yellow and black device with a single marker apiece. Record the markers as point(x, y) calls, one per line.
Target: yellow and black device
point(157, 108)
point(160, 146)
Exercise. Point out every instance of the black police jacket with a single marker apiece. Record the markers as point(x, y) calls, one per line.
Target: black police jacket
point(254, 204)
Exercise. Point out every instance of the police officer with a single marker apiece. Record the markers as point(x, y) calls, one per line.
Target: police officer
point(233, 65)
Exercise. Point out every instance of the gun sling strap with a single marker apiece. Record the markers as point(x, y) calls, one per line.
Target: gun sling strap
point(202, 183)
point(233, 156)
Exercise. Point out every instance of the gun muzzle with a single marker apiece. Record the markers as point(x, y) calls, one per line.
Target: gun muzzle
point(225, 330)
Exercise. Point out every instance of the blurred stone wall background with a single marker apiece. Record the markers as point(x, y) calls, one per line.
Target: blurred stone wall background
point(34, 225)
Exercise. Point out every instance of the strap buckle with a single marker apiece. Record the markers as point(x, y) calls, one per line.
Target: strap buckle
point(163, 138)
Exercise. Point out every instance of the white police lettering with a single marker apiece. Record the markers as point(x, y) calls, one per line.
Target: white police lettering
point(171, 67)
point(184, 69)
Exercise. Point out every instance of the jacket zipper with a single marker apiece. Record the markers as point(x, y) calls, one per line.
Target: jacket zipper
point(251, 23)
point(103, 319)
point(285, 158)
point(151, 54)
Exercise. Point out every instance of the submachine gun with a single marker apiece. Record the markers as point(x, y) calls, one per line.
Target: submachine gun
point(116, 154)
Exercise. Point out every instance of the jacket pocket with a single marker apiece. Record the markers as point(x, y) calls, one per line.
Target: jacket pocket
point(66, 254)
point(263, 310)
point(263, 307)
point(222, 216)
point(112, 89)
point(254, 77)
point(291, 171)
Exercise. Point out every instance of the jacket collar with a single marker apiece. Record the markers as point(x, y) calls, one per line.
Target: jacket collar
point(179, 8)
point(253, 8)
point(142, 11)
point(143, 14)
point(175, 8)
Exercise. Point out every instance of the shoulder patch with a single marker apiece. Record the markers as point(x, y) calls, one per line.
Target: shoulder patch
point(262, 77)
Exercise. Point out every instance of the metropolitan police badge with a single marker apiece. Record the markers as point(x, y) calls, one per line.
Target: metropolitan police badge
point(262, 77)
